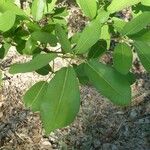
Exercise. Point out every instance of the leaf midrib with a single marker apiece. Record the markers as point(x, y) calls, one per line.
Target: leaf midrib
point(35, 99)
point(132, 29)
point(104, 79)
point(61, 96)
point(85, 42)
point(145, 56)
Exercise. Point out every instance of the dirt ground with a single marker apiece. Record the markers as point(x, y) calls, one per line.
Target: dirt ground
point(100, 125)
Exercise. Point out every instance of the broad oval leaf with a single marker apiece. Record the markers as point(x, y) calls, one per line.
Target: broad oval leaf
point(50, 5)
point(60, 12)
point(122, 58)
point(33, 98)
point(44, 37)
point(38, 9)
point(62, 101)
point(131, 78)
point(97, 49)
point(145, 2)
point(143, 50)
point(30, 46)
point(74, 39)
point(89, 36)
point(109, 82)
point(4, 49)
point(7, 20)
point(82, 77)
point(20, 45)
point(143, 36)
point(102, 16)
point(63, 39)
point(6, 5)
point(36, 63)
point(89, 7)
point(137, 24)
point(105, 35)
point(44, 70)
point(119, 5)
point(118, 24)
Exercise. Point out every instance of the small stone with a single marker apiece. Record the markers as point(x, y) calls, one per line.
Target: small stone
point(46, 144)
point(97, 143)
point(89, 95)
point(119, 113)
point(133, 114)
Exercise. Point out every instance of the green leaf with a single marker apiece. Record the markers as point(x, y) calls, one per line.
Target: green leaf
point(49, 28)
point(33, 26)
point(143, 36)
point(60, 12)
point(21, 33)
point(30, 47)
point(6, 5)
point(63, 39)
point(44, 37)
point(62, 101)
point(20, 45)
point(89, 7)
point(145, 2)
point(38, 9)
point(143, 50)
point(50, 6)
point(33, 98)
point(44, 70)
point(109, 82)
point(119, 5)
point(74, 39)
point(118, 24)
point(7, 20)
point(137, 24)
point(105, 35)
point(58, 20)
point(102, 16)
point(131, 78)
point(89, 36)
point(4, 49)
point(122, 58)
point(79, 69)
point(97, 49)
point(36, 63)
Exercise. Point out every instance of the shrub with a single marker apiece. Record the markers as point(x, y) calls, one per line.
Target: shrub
point(43, 25)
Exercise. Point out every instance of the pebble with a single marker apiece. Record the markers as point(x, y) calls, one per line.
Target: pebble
point(97, 143)
point(133, 114)
point(46, 144)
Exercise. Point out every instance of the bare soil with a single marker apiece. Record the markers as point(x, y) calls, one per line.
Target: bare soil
point(100, 125)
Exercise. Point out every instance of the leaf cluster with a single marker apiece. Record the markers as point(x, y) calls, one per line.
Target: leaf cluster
point(35, 30)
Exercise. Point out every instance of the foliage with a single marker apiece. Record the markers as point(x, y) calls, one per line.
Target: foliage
point(34, 31)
